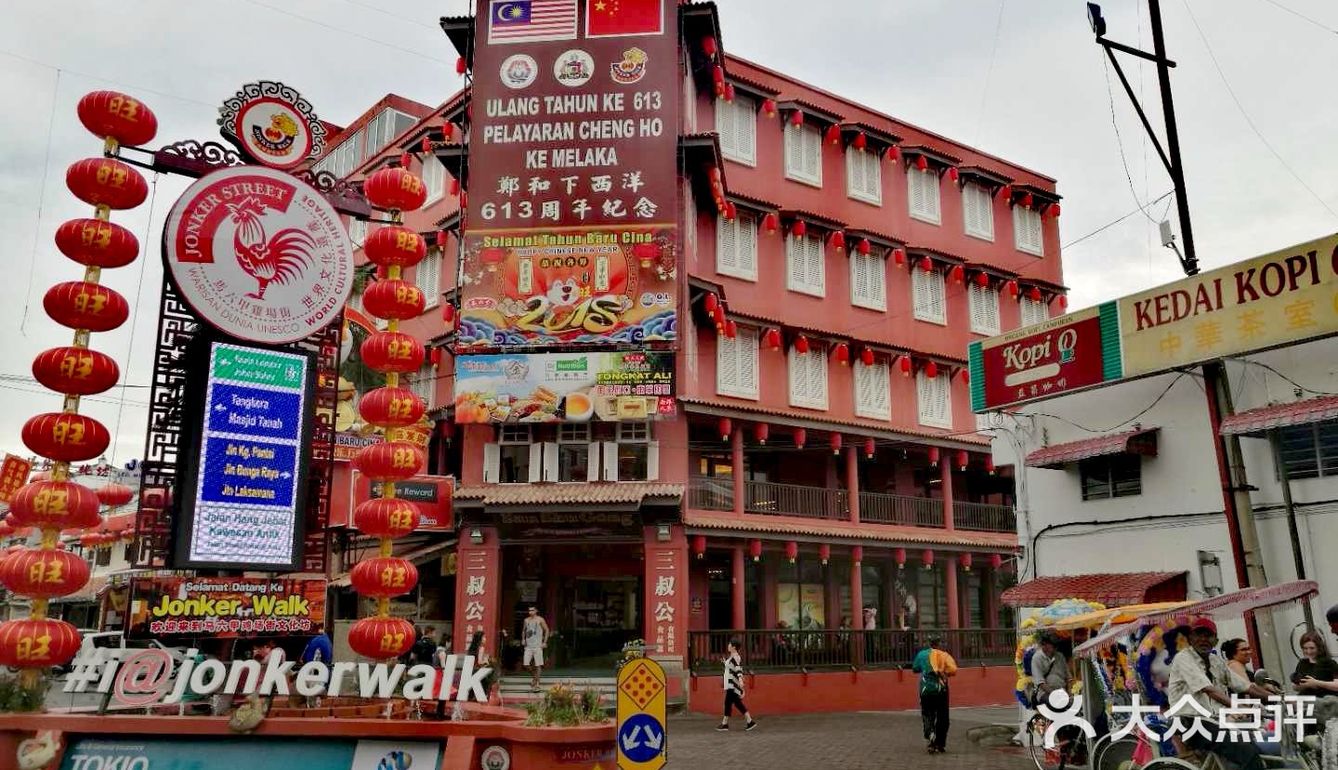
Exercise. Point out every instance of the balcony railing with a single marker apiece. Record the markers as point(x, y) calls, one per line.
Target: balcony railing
point(984, 517)
point(711, 493)
point(793, 500)
point(780, 650)
point(905, 510)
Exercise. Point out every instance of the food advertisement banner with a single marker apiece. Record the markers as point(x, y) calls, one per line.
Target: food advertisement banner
point(189, 606)
point(564, 387)
point(1285, 297)
point(573, 182)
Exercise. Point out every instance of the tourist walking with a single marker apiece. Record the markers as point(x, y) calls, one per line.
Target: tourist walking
point(535, 636)
point(734, 688)
point(934, 665)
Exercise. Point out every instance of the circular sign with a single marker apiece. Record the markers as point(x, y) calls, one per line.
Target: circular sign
point(259, 254)
point(519, 71)
point(574, 68)
point(273, 132)
point(495, 758)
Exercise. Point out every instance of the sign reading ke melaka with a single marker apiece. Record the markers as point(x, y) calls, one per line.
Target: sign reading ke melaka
point(178, 606)
point(573, 192)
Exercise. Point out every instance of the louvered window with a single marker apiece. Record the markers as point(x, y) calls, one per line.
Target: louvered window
point(736, 246)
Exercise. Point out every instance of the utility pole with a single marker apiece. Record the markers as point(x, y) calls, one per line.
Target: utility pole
point(1239, 510)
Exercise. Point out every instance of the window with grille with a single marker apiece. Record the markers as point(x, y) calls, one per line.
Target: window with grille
point(873, 391)
point(934, 400)
point(923, 194)
point(868, 280)
point(984, 304)
point(1034, 312)
point(804, 269)
point(978, 211)
point(864, 176)
point(736, 364)
point(1310, 451)
point(423, 383)
point(927, 296)
point(808, 378)
point(736, 122)
point(803, 154)
point(427, 276)
point(1027, 230)
point(736, 246)
point(1118, 475)
point(341, 160)
point(434, 178)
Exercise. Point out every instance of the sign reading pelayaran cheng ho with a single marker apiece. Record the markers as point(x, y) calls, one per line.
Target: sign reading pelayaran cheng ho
point(224, 607)
point(573, 184)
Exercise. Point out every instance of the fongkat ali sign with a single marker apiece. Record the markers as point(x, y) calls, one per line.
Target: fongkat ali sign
point(1280, 298)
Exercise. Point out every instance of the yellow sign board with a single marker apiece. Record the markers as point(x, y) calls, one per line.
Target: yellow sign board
point(1281, 298)
point(642, 735)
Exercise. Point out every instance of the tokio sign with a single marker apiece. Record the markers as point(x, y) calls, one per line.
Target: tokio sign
point(225, 607)
point(273, 124)
point(259, 254)
point(1282, 298)
point(573, 194)
point(431, 495)
point(570, 387)
point(641, 734)
point(13, 475)
point(246, 505)
point(181, 752)
point(1063, 354)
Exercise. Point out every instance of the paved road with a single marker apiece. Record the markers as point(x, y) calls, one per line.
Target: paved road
point(859, 741)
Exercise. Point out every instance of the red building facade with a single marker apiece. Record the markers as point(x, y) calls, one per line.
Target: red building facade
point(819, 479)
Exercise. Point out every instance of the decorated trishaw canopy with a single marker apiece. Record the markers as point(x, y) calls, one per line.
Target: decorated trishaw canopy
point(1100, 618)
point(1226, 605)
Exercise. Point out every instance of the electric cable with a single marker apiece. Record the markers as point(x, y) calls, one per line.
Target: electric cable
point(1300, 15)
point(1109, 225)
point(1285, 378)
point(41, 199)
point(134, 318)
point(1145, 410)
point(343, 31)
point(1119, 143)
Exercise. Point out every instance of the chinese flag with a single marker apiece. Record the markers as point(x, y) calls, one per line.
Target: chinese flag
point(614, 18)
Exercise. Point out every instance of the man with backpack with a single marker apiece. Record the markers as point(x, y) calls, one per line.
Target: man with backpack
point(934, 665)
point(425, 649)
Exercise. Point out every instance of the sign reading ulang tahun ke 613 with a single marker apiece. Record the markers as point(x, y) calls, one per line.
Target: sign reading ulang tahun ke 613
point(572, 205)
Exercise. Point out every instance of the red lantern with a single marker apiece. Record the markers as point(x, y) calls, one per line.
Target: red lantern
point(383, 576)
point(857, 554)
point(965, 561)
point(958, 273)
point(770, 223)
point(841, 352)
point(837, 240)
point(833, 135)
point(926, 264)
point(386, 517)
point(720, 318)
point(434, 357)
point(55, 505)
point(392, 352)
point(931, 370)
point(391, 407)
point(904, 362)
point(962, 459)
point(646, 254)
point(448, 316)
point(1027, 200)
point(983, 280)
point(731, 329)
point(84, 305)
point(860, 142)
point(447, 130)
point(799, 229)
point(1006, 192)
point(381, 638)
point(899, 257)
point(710, 302)
point(731, 211)
point(933, 455)
point(824, 553)
point(791, 550)
point(772, 339)
point(729, 92)
point(393, 299)
point(1054, 210)
point(106, 182)
point(1062, 301)
point(864, 247)
point(899, 556)
point(699, 546)
point(870, 447)
point(921, 163)
point(755, 549)
point(389, 461)
point(33, 643)
point(953, 174)
point(395, 189)
point(718, 76)
point(461, 66)
point(44, 574)
point(801, 344)
point(836, 443)
point(866, 356)
point(763, 432)
point(797, 118)
point(800, 437)
point(769, 107)
point(111, 114)
point(394, 245)
point(1012, 288)
point(989, 465)
point(996, 561)
point(708, 46)
point(966, 377)
point(115, 495)
point(455, 187)
point(1034, 294)
point(726, 427)
point(927, 558)
point(65, 437)
point(95, 243)
point(77, 371)
point(893, 153)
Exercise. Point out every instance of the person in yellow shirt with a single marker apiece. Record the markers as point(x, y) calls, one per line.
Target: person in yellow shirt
point(934, 665)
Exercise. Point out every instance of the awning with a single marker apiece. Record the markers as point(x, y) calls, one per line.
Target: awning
point(624, 493)
point(1141, 441)
point(1256, 422)
point(416, 556)
point(1110, 588)
point(1114, 615)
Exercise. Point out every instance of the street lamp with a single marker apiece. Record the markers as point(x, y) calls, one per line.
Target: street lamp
point(1095, 20)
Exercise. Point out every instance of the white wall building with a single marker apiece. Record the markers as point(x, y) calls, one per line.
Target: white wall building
point(1127, 512)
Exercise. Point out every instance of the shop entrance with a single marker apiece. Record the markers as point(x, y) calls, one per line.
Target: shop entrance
point(589, 593)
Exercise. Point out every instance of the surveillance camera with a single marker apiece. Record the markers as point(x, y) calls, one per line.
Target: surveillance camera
point(1167, 236)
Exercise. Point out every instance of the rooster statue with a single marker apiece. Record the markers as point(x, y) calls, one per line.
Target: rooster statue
point(268, 260)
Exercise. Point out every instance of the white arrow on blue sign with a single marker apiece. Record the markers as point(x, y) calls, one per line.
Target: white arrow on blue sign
point(641, 738)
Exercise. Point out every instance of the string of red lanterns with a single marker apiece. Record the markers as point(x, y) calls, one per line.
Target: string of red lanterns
point(46, 572)
point(392, 408)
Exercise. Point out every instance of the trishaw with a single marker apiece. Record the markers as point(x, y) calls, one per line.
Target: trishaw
point(1150, 639)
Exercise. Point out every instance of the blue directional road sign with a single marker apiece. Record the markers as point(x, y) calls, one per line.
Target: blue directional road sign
point(641, 738)
point(641, 715)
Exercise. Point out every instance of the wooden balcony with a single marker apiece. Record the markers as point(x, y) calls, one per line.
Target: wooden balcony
point(984, 517)
point(904, 510)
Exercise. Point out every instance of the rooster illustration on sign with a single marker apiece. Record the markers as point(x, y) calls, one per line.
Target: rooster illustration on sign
point(279, 259)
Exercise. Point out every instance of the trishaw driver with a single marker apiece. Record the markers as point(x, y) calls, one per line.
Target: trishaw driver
point(1203, 677)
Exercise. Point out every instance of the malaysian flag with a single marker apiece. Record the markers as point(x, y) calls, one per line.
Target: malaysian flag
point(519, 21)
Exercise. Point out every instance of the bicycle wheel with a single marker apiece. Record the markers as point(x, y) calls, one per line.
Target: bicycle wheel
point(1115, 755)
point(1036, 741)
point(1170, 763)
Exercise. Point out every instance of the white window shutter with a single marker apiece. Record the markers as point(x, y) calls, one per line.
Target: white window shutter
point(592, 465)
point(817, 269)
point(812, 144)
point(544, 457)
point(745, 353)
point(745, 245)
point(726, 365)
point(817, 378)
point(990, 316)
point(653, 461)
point(858, 286)
point(725, 127)
point(745, 128)
point(916, 191)
point(882, 377)
point(878, 280)
point(931, 183)
point(492, 464)
point(794, 259)
point(794, 150)
point(727, 246)
point(798, 381)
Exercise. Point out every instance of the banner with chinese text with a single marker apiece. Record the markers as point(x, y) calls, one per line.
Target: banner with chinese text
point(227, 607)
point(13, 475)
point(558, 387)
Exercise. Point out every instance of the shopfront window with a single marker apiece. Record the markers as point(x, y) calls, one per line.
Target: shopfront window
point(633, 451)
point(801, 595)
point(573, 452)
point(514, 454)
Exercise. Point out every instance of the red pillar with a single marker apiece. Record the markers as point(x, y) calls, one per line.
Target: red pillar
point(478, 588)
point(852, 481)
point(945, 474)
point(856, 596)
point(666, 587)
point(950, 586)
point(739, 590)
point(736, 468)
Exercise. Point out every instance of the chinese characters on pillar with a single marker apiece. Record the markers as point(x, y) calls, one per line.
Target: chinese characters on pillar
point(476, 596)
point(664, 602)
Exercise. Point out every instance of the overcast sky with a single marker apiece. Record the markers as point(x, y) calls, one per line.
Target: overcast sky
point(1021, 79)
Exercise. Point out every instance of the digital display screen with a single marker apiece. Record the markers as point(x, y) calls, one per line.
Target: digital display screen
point(248, 500)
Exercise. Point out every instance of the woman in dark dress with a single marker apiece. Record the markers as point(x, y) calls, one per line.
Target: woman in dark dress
point(1316, 665)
